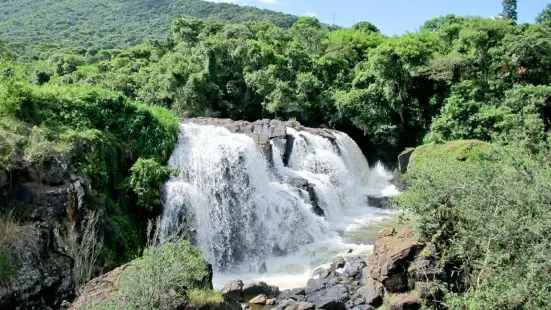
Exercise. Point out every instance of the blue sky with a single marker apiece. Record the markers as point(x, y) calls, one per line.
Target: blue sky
point(392, 16)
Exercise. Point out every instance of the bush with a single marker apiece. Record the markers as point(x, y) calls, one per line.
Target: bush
point(167, 276)
point(492, 215)
point(146, 179)
point(205, 298)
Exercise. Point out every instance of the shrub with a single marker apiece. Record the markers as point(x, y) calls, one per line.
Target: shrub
point(204, 298)
point(492, 215)
point(146, 179)
point(165, 277)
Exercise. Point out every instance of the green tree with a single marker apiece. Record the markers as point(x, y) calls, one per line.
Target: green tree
point(510, 9)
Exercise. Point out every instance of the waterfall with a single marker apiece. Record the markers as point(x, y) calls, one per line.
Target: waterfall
point(244, 207)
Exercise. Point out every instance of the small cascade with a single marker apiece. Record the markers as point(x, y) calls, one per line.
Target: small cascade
point(244, 208)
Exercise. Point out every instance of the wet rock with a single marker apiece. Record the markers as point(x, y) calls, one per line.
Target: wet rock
point(371, 293)
point(338, 262)
point(259, 300)
point(379, 202)
point(333, 297)
point(234, 289)
point(315, 285)
point(354, 270)
point(254, 289)
point(304, 185)
point(321, 273)
point(262, 268)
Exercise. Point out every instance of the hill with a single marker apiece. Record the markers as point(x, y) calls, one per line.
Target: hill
point(113, 23)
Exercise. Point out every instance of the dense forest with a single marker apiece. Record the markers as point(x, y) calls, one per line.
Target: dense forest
point(104, 87)
point(113, 23)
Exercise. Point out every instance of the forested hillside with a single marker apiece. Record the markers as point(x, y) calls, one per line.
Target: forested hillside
point(113, 23)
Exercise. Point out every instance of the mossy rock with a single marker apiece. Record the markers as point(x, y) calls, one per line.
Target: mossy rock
point(462, 150)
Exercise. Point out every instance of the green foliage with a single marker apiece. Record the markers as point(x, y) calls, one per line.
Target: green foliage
point(100, 133)
point(510, 9)
point(490, 214)
point(7, 270)
point(113, 24)
point(205, 298)
point(166, 276)
point(146, 179)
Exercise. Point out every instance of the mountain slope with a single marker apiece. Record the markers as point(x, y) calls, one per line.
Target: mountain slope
point(113, 23)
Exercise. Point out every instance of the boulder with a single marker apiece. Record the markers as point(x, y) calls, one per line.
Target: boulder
point(305, 306)
point(309, 189)
point(329, 304)
point(271, 301)
point(391, 257)
point(403, 160)
point(259, 300)
point(371, 293)
point(99, 289)
point(333, 297)
point(354, 270)
point(254, 289)
point(234, 289)
point(321, 273)
point(314, 285)
point(338, 262)
point(379, 202)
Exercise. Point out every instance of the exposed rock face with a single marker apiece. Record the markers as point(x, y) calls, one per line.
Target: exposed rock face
point(264, 131)
point(403, 160)
point(391, 256)
point(101, 288)
point(56, 203)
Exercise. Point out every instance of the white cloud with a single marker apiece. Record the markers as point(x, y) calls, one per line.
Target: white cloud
point(270, 1)
point(311, 14)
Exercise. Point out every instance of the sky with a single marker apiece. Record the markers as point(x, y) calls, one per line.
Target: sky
point(392, 17)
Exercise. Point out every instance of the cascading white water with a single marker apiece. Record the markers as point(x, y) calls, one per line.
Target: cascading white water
point(247, 209)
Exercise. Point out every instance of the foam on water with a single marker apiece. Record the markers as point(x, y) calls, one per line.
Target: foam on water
point(247, 210)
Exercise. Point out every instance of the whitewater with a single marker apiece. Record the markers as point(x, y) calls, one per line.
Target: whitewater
point(257, 217)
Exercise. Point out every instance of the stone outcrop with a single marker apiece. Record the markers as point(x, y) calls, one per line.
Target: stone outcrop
point(396, 276)
point(264, 131)
point(54, 205)
point(391, 257)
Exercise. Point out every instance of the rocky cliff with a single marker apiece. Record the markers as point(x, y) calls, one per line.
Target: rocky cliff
point(45, 211)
